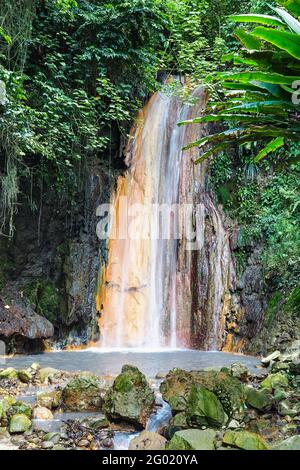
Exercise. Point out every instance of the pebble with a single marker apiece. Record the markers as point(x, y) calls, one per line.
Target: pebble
point(83, 443)
point(47, 445)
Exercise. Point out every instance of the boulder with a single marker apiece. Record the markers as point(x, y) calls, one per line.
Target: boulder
point(285, 408)
point(245, 440)
point(20, 407)
point(18, 320)
point(51, 399)
point(148, 441)
point(83, 394)
point(47, 374)
point(180, 419)
point(177, 386)
point(292, 443)
point(275, 356)
point(9, 374)
point(42, 414)
point(130, 398)
point(258, 399)
point(275, 381)
point(24, 376)
point(240, 371)
point(19, 423)
point(193, 439)
point(204, 409)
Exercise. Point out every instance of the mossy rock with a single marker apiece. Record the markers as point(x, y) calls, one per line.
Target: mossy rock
point(292, 443)
point(20, 408)
point(130, 398)
point(25, 376)
point(9, 374)
point(275, 381)
point(47, 374)
point(83, 394)
point(51, 400)
point(19, 424)
point(180, 419)
point(177, 386)
point(204, 409)
point(193, 439)
point(245, 440)
point(46, 298)
point(258, 399)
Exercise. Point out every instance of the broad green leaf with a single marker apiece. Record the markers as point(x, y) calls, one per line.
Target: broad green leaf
point(291, 5)
point(270, 148)
point(260, 19)
point(268, 77)
point(289, 42)
point(247, 39)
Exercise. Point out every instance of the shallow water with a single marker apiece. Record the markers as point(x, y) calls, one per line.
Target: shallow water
point(108, 363)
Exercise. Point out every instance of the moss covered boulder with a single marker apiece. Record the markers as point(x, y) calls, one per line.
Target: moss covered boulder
point(204, 409)
point(83, 394)
point(245, 440)
point(51, 399)
point(8, 374)
point(292, 443)
point(130, 398)
point(258, 399)
point(275, 381)
point(19, 424)
point(177, 387)
point(193, 439)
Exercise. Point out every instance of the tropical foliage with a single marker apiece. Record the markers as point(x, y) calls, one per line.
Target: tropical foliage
point(260, 99)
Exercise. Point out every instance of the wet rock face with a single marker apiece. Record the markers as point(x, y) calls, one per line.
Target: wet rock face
point(18, 321)
point(130, 398)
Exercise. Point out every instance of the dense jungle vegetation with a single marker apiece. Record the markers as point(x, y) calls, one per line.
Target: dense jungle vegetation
point(74, 73)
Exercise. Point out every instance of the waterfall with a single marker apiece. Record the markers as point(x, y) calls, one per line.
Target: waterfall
point(156, 291)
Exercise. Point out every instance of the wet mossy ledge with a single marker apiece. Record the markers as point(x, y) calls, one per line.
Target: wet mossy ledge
point(217, 409)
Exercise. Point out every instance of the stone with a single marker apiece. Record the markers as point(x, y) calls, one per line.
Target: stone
point(280, 366)
point(83, 394)
point(53, 437)
point(204, 409)
point(160, 375)
point(19, 320)
point(47, 374)
point(240, 371)
point(234, 424)
point(19, 423)
point(51, 399)
point(47, 445)
point(148, 441)
point(130, 398)
point(83, 443)
point(292, 443)
point(258, 399)
point(24, 376)
point(193, 439)
point(245, 440)
point(180, 419)
point(275, 356)
point(35, 366)
point(177, 386)
point(43, 414)
point(275, 381)
point(285, 409)
point(9, 374)
point(280, 395)
point(20, 407)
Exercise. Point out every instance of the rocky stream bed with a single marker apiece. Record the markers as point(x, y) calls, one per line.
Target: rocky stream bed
point(239, 403)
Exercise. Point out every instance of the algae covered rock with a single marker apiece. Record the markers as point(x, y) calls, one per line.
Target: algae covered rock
point(9, 374)
point(204, 409)
point(25, 376)
point(83, 394)
point(275, 381)
point(258, 399)
point(51, 399)
point(19, 423)
point(47, 374)
point(20, 408)
point(177, 386)
point(240, 371)
point(245, 440)
point(130, 398)
point(180, 420)
point(148, 441)
point(193, 439)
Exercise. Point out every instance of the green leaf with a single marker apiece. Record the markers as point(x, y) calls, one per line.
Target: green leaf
point(268, 77)
point(5, 36)
point(260, 19)
point(270, 148)
point(247, 39)
point(293, 24)
point(289, 42)
point(291, 5)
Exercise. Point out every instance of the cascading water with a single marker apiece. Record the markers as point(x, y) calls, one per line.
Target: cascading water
point(147, 297)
